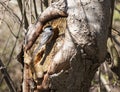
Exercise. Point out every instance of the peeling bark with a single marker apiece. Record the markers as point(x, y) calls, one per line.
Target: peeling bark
point(72, 67)
point(87, 32)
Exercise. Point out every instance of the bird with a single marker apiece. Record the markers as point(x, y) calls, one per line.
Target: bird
point(45, 37)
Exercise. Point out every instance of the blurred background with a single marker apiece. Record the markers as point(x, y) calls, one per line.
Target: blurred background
point(17, 15)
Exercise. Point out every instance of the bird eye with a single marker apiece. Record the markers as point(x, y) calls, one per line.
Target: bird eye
point(50, 28)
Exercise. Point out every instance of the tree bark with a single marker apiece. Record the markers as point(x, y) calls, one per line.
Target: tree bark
point(84, 47)
point(73, 66)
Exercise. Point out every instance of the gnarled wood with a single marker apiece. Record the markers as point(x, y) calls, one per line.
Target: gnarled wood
point(52, 12)
point(83, 48)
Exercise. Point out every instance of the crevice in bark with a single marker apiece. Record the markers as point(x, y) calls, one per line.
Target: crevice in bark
point(72, 67)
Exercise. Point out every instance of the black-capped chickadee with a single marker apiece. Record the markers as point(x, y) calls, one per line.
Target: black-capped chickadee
point(45, 37)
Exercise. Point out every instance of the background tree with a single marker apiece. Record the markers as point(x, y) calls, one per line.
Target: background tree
point(86, 53)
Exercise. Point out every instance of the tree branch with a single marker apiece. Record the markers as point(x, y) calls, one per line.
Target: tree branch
point(7, 77)
point(35, 8)
point(112, 12)
point(117, 9)
point(23, 13)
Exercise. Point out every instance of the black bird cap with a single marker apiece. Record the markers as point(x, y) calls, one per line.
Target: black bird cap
point(48, 26)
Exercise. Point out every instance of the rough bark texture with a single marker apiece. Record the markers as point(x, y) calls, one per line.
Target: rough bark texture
point(84, 46)
point(73, 65)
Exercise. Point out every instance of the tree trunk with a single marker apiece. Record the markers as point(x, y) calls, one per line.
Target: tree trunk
point(73, 66)
point(85, 44)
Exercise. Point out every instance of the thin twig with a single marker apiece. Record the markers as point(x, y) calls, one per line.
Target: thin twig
point(7, 77)
point(41, 6)
point(23, 12)
point(20, 5)
point(112, 12)
point(45, 2)
point(24, 16)
point(104, 81)
point(117, 9)
point(35, 8)
point(1, 80)
point(14, 46)
point(10, 29)
point(11, 12)
point(99, 74)
point(118, 32)
point(30, 11)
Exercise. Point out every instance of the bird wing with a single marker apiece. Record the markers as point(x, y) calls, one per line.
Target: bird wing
point(45, 38)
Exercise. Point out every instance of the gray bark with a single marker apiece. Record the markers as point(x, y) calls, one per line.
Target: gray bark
point(75, 62)
point(84, 47)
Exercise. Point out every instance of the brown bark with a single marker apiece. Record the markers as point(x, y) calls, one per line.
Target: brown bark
point(72, 67)
point(49, 14)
